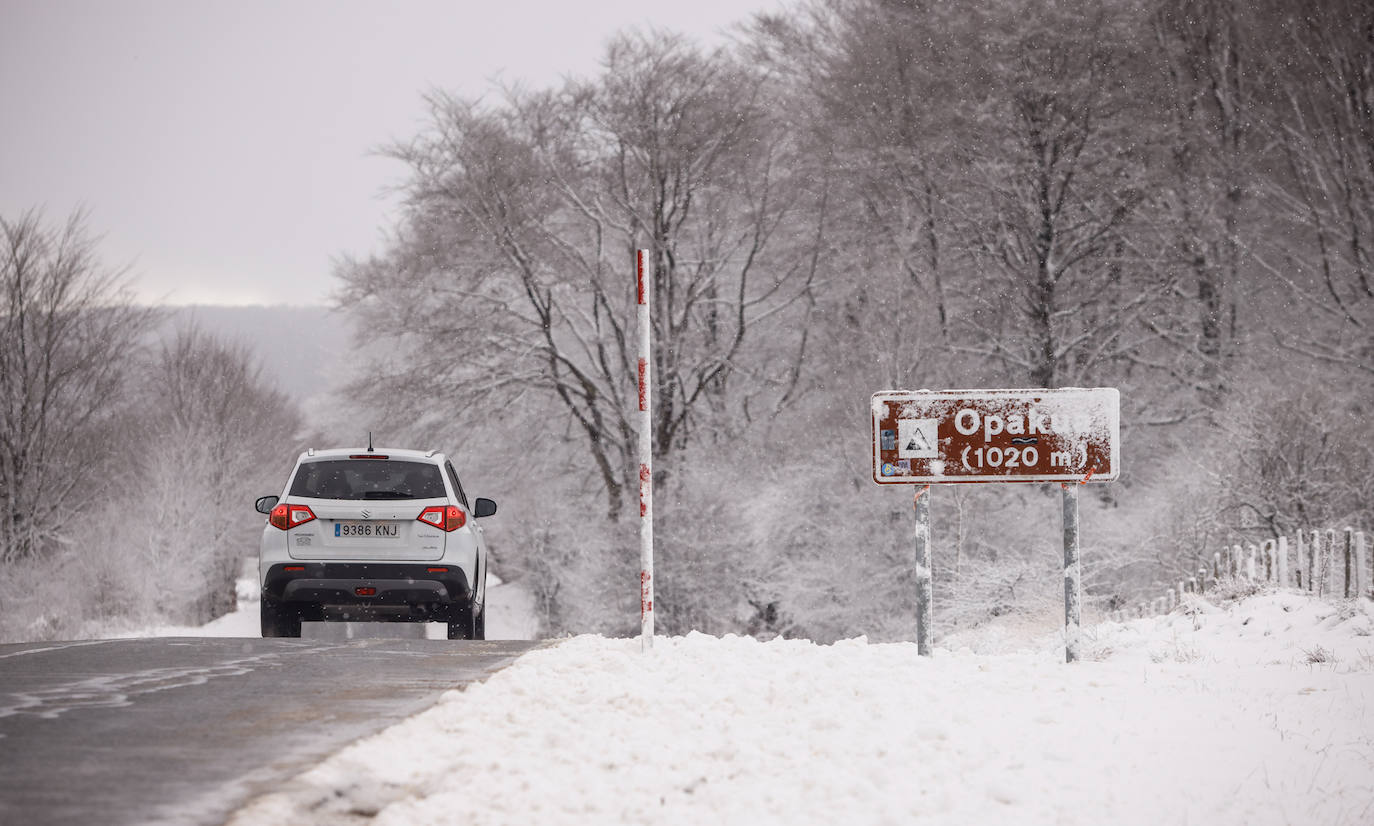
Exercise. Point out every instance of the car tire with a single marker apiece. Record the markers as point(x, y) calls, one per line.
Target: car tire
point(479, 626)
point(462, 624)
point(278, 621)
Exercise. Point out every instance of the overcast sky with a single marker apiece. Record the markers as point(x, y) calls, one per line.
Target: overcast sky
point(223, 149)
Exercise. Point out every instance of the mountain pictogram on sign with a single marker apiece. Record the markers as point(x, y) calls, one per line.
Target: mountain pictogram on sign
point(917, 439)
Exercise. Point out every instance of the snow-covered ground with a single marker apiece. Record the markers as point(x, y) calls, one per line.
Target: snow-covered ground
point(1258, 713)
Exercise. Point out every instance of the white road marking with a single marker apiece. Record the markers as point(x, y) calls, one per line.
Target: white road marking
point(117, 690)
point(53, 648)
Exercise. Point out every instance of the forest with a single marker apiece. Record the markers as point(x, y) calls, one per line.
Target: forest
point(1174, 198)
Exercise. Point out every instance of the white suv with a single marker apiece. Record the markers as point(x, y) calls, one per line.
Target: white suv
point(373, 535)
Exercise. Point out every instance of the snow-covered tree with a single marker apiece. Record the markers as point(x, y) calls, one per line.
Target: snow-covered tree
point(68, 335)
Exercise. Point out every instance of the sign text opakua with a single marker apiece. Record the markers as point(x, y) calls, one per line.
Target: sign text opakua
point(1042, 435)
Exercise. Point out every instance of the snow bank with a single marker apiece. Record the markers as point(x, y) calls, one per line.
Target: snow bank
point(243, 622)
point(1234, 722)
point(1282, 628)
point(1272, 628)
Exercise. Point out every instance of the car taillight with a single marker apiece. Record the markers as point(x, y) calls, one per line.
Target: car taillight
point(285, 517)
point(445, 518)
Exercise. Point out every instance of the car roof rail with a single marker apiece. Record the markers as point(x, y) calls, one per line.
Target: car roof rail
point(310, 451)
point(430, 455)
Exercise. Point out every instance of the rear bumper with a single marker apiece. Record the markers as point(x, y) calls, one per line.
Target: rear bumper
point(390, 584)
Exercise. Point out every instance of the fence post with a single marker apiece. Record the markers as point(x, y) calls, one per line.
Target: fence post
point(1281, 552)
point(1202, 580)
point(1329, 564)
point(1238, 554)
point(1351, 586)
point(1362, 585)
point(1216, 565)
point(1267, 548)
point(1300, 560)
point(1172, 600)
point(1250, 564)
point(1314, 552)
point(1192, 585)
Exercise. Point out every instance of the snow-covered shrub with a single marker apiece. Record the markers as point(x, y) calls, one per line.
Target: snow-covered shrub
point(1317, 654)
point(1176, 651)
point(1232, 588)
point(1319, 474)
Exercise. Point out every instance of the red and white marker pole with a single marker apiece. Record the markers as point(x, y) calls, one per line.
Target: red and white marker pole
point(643, 284)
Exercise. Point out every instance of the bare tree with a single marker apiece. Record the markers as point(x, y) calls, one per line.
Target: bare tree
point(1057, 187)
point(69, 333)
point(213, 434)
point(1210, 77)
point(866, 74)
point(1323, 121)
point(522, 223)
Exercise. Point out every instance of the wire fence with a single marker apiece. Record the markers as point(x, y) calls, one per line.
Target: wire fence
point(1324, 563)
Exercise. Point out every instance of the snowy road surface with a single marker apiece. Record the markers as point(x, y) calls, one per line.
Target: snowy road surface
point(1256, 714)
point(184, 730)
point(510, 616)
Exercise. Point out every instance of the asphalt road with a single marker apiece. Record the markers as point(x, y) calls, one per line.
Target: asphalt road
point(185, 731)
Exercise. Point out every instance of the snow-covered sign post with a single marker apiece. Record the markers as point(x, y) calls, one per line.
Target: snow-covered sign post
point(643, 284)
point(1069, 435)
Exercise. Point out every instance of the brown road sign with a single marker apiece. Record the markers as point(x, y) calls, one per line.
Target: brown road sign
point(934, 436)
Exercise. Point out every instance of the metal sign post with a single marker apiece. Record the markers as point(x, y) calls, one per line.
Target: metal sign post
point(1073, 575)
point(643, 285)
point(925, 588)
point(1069, 435)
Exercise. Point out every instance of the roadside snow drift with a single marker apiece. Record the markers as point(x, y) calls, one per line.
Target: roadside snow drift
point(1258, 714)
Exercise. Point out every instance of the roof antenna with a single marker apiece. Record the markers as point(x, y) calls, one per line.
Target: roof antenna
point(369, 441)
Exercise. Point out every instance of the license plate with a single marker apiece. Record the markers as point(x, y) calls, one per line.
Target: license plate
point(368, 530)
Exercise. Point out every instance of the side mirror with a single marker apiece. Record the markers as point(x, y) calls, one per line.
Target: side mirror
point(265, 504)
point(483, 507)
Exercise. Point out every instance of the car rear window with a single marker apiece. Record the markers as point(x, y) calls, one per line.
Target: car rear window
point(368, 479)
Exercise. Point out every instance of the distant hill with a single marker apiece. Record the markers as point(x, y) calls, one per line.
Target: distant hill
point(303, 349)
